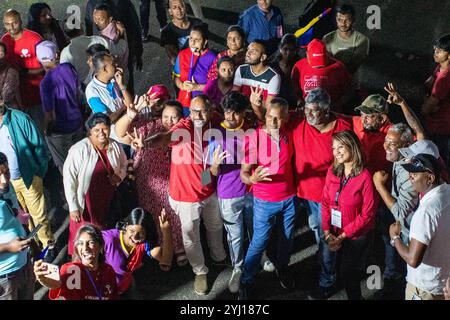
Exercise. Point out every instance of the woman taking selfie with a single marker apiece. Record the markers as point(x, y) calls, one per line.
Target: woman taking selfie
point(87, 277)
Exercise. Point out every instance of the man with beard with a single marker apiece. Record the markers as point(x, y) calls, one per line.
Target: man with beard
point(346, 44)
point(192, 193)
point(20, 52)
point(313, 156)
point(191, 66)
point(371, 128)
point(256, 79)
point(216, 89)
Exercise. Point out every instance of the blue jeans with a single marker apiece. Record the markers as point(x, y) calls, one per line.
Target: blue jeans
point(248, 214)
point(267, 215)
point(327, 258)
point(232, 213)
point(394, 265)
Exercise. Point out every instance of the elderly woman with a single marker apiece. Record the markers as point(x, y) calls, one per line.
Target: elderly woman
point(132, 240)
point(41, 21)
point(93, 169)
point(236, 50)
point(97, 279)
point(152, 166)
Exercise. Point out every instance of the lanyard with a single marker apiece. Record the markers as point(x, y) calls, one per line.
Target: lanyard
point(97, 292)
point(341, 187)
point(205, 157)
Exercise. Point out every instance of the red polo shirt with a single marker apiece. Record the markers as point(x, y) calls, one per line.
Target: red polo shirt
point(372, 145)
point(314, 155)
point(187, 164)
point(357, 202)
point(262, 150)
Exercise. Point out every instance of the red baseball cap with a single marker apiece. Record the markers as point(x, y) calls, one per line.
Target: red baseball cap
point(159, 91)
point(317, 53)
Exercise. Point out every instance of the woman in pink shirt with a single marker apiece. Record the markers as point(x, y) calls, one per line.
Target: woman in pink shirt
point(348, 210)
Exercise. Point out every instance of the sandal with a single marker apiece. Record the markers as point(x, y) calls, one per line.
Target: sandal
point(181, 259)
point(165, 267)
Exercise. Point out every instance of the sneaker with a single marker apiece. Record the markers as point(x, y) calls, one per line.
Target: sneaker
point(233, 284)
point(201, 284)
point(267, 265)
point(322, 293)
point(286, 279)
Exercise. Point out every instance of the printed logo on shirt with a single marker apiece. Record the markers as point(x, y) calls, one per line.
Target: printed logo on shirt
point(25, 53)
point(317, 54)
point(311, 82)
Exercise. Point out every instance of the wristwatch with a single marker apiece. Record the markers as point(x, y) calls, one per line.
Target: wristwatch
point(393, 240)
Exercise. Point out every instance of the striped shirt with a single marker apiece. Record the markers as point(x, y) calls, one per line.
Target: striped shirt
point(268, 80)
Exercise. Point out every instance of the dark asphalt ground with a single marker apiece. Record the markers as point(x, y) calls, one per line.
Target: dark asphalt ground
point(401, 51)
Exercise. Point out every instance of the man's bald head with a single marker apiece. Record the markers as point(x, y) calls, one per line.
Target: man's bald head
point(13, 23)
point(12, 14)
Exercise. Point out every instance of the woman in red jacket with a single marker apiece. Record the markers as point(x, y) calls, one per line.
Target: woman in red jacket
point(348, 210)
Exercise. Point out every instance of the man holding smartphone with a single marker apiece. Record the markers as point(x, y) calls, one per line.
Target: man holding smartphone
point(16, 271)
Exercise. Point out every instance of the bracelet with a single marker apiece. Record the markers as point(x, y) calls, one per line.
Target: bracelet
point(125, 88)
point(393, 240)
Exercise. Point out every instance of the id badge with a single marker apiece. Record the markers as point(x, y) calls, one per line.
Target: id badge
point(336, 218)
point(206, 177)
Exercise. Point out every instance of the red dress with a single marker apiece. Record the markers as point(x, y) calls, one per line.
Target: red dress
point(152, 166)
point(97, 201)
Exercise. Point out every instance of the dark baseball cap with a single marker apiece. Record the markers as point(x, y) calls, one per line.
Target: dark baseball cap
point(422, 163)
point(375, 103)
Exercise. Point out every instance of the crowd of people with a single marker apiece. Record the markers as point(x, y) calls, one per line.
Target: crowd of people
point(256, 135)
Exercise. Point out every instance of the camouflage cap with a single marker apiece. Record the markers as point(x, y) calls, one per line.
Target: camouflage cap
point(375, 103)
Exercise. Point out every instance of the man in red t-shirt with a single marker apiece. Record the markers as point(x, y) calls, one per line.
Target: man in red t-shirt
point(313, 157)
point(191, 189)
point(371, 128)
point(21, 53)
point(436, 106)
point(318, 70)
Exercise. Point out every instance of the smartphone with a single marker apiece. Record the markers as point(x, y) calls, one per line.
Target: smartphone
point(54, 271)
point(34, 232)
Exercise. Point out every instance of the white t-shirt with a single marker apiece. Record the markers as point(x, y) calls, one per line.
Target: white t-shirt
point(430, 225)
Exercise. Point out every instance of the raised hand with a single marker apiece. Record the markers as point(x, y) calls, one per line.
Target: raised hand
point(256, 96)
point(163, 220)
point(137, 140)
point(261, 174)
point(219, 156)
point(394, 97)
point(118, 76)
